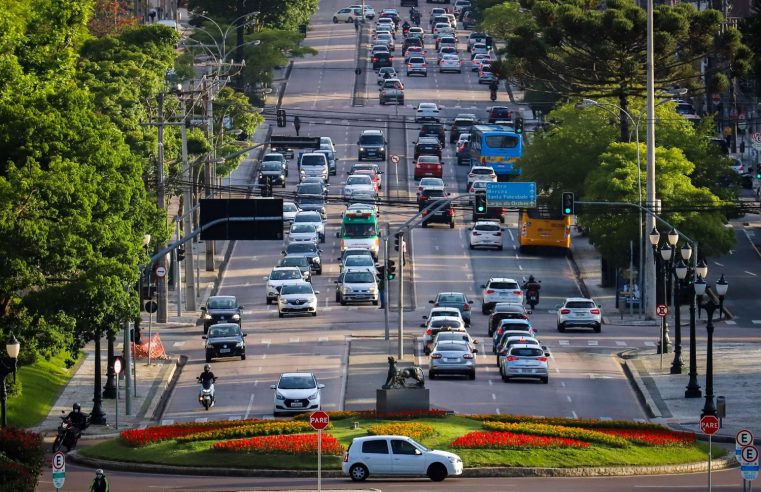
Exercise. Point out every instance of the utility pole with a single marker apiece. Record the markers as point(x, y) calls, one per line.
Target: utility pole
point(649, 294)
point(209, 178)
point(161, 286)
point(401, 297)
point(187, 221)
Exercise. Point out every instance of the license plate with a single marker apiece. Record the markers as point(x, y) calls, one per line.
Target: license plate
point(297, 404)
point(224, 351)
point(449, 359)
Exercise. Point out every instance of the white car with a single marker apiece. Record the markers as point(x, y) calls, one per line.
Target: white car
point(499, 289)
point(443, 311)
point(387, 21)
point(579, 311)
point(486, 234)
point(369, 11)
point(450, 63)
point(347, 14)
point(289, 212)
point(427, 111)
point(313, 217)
point(397, 455)
point(481, 173)
point(442, 28)
point(361, 184)
point(296, 392)
point(416, 32)
point(461, 4)
point(478, 48)
point(478, 60)
point(359, 262)
point(436, 324)
point(430, 184)
point(303, 233)
point(298, 298)
point(506, 342)
point(387, 39)
point(279, 277)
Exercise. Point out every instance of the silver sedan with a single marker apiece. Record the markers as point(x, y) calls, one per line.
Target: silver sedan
point(452, 357)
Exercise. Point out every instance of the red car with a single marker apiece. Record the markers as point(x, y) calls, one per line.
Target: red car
point(428, 165)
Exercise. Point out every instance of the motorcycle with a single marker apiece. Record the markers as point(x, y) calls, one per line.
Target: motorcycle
point(493, 95)
point(532, 293)
point(206, 395)
point(68, 434)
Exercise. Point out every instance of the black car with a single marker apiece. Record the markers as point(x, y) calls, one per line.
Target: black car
point(433, 130)
point(312, 203)
point(220, 309)
point(273, 171)
point(454, 300)
point(504, 311)
point(412, 42)
point(444, 214)
point(381, 60)
point(498, 113)
point(309, 251)
point(461, 124)
point(225, 340)
point(316, 187)
point(428, 146)
point(372, 144)
point(299, 262)
point(431, 193)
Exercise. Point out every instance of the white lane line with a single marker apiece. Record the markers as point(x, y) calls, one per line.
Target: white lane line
point(620, 343)
point(264, 356)
point(749, 273)
point(256, 381)
point(323, 339)
point(605, 418)
point(568, 397)
point(717, 264)
point(592, 343)
point(266, 341)
point(510, 231)
point(650, 344)
point(730, 322)
point(491, 383)
point(756, 321)
point(167, 422)
point(564, 342)
point(562, 384)
point(498, 412)
point(201, 420)
point(233, 417)
point(520, 267)
point(250, 404)
point(574, 414)
point(493, 396)
point(294, 340)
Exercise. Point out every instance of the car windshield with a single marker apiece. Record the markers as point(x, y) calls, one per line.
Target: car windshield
point(296, 289)
point(526, 352)
point(503, 285)
point(354, 180)
point(221, 303)
point(426, 182)
point(358, 278)
point(359, 230)
point(417, 59)
point(307, 218)
point(313, 160)
point(580, 304)
point(301, 248)
point(285, 275)
point(290, 207)
point(434, 193)
point(371, 140)
point(224, 331)
point(427, 106)
point(311, 199)
point(451, 299)
point(296, 228)
point(477, 170)
point(273, 157)
point(271, 166)
point(296, 382)
point(359, 260)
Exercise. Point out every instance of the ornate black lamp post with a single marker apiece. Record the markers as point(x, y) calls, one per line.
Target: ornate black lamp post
point(109, 390)
point(721, 290)
point(680, 271)
point(721, 285)
point(698, 289)
point(12, 348)
point(97, 415)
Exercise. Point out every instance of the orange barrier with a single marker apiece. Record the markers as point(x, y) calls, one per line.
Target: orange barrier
point(140, 351)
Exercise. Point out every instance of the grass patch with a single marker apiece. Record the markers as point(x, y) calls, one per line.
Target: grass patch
point(447, 429)
point(42, 384)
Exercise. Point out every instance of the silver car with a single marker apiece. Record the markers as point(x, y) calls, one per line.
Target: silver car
point(458, 336)
point(526, 361)
point(357, 286)
point(298, 298)
point(311, 217)
point(452, 357)
point(303, 233)
point(440, 323)
point(579, 311)
point(279, 277)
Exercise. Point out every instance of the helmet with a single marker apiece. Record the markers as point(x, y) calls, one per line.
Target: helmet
point(77, 407)
point(207, 367)
point(531, 278)
point(99, 472)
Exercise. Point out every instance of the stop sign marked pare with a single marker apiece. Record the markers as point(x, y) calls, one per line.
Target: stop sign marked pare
point(319, 420)
point(709, 424)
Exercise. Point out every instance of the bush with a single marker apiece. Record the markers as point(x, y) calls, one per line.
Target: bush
point(15, 476)
point(21, 458)
point(567, 422)
point(510, 440)
point(14, 389)
point(414, 430)
point(150, 435)
point(299, 444)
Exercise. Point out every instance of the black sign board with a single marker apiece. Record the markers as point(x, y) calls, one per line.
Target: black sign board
point(295, 142)
point(266, 222)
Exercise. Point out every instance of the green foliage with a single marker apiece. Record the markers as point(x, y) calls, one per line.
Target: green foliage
point(21, 458)
point(751, 31)
point(279, 14)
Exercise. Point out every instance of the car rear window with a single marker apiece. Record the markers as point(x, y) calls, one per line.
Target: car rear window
point(526, 352)
point(487, 227)
point(451, 299)
point(580, 305)
point(378, 446)
point(445, 322)
point(503, 285)
point(452, 347)
point(417, 59)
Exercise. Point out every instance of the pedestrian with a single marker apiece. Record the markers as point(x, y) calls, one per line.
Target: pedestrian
point(297, 124)
point(382, 290)
point(100, 482)
point(152, 15)
point(356, 24)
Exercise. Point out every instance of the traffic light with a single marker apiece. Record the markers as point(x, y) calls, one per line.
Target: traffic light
point(758, 173)
point(518, 124)
point(396, 242)
point(480, 205)
point(281, 118)
point(567, 203)
point(180, 253)
point(391, 270)
point(381, 273)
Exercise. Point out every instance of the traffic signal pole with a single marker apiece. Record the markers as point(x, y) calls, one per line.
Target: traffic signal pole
point(385, 290)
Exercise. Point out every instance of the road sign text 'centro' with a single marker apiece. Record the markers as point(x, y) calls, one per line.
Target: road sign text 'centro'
point(319, 420)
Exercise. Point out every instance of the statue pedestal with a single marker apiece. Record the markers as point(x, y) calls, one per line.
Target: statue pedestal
point(402, 400)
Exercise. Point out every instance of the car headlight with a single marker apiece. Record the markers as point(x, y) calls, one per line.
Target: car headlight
point(279, 396)
point(312, 301)
point(372, 290)
point(314, 395)
point(361, 149)
point(453, 459)
point(316, 259)
point(207, 316)
point(346, 290)
point(239, 345)
point(236, 317)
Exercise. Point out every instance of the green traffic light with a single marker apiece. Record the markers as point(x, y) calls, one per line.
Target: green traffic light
point(391, 276)
point(567, 211)
point(480, 209)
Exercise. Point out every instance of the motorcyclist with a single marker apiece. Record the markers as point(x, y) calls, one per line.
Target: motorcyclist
point(405, 27)
point(100, 482)
point(532, 285)
point(77, 418)
point(207, 375)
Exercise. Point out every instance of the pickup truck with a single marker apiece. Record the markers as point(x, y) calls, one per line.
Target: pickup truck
point(391, 90)
point(312, 163)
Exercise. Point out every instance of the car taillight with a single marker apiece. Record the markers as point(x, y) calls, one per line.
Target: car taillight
point(451, 212)
point(390, 58)
point(435, 356)
point(541, 359)
point(489, 292)
point(346, 457)
point(518, 292)
point(425, 212)
point(512, 358)
point(594, 311)
point(428, 331)
point(466, 307)
point(565, 311)
point(374, 59)
point(467, 356)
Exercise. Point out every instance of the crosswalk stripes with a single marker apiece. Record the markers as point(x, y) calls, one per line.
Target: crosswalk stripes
point(592, 343)
point(178, 344)
point(563, 342)
point(756, 321)
point(201, 420)
point(730, 322)
point(234, 417)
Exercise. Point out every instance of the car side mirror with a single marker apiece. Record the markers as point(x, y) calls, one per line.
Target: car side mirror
point(282, 252)
point(244, 335)
point(425, 317)
point(203, 337)
point(273, 386)
point(475, 350)
point(528, 311)
point(422, 325)
point(429, 302)
point(266, 277)
point(316, 292)
point(203, 308)
point(418, 452)
point(476, 342)
point(320, 386)
point(241, 307)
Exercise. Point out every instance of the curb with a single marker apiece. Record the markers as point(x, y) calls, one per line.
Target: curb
point(598, 471)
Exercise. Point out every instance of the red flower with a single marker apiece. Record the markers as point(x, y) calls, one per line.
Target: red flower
point(510, 440)
point(662, 437)
point(287, 444)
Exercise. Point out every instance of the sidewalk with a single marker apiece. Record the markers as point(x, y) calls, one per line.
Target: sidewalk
point(735, 366)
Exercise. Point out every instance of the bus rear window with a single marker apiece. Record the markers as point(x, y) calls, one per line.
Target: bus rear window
point(501, 141)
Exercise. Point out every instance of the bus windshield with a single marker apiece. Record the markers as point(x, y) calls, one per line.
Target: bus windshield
point(359, 230)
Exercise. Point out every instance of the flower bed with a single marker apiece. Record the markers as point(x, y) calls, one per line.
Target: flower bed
point(660, 437)
point(411, 429)
point(511, 440)
point(150, 435)
point(587, 435)
point(300, 444)
point(567, 422)
point(264, 428)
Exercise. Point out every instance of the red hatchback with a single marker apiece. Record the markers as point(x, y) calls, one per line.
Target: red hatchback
point(428, 165)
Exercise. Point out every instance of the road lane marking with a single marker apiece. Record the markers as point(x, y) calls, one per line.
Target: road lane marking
point(650, 344)
point(266, 341)
point(233, 417)
point(201, 420)
point(294, 340)
point(323, 339)
point(562, 384)
point(730, 322)
point(250, 404)
point(264, 356)
point(564, 342)
point(520, 267)
point(568, 397)
point(756, 321)
point(605, 418)
point(749, 273)
point(592, 343)
point(493, 396)
point(620, 343)
point(717, 264)
point(178, 344)
point(574, 414)
point(498, 411)
point(491, 383)
point(167, 422)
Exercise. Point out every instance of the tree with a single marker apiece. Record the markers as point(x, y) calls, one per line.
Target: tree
point(751, 30)
point(576, 48)
point(110, 17)
point(278, 14)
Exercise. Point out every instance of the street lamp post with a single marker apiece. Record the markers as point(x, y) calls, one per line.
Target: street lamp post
point(680, 271)
point(693, 388)
point(721, 285)
point(661, 268)
point(97, 415)
point(709, 408)
point(12, 348)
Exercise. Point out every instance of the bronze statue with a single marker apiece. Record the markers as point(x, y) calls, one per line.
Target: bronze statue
point(396, 378)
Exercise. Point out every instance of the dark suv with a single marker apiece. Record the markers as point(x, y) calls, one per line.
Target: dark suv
point(434, 130)
point(220, 309)
point(497, 113)
point(461, 124)
point(381, 60)
point(372, 144)
point(428, 146)
point(445, 215)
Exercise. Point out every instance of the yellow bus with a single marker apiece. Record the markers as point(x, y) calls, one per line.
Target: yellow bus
point(540, 227)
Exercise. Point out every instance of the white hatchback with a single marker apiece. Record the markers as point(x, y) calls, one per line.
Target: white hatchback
point(296, 392)
point(399, 456)
point(579, 311)
point(486, 234)
point(500, 290)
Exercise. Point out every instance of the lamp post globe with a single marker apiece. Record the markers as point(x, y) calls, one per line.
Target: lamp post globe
point(12, 348)
point(654, 237)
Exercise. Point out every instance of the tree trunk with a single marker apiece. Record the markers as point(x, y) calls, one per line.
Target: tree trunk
point(623, 102)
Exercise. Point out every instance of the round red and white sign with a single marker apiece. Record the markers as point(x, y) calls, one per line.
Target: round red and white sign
point(662, 310)
point(395, 159)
